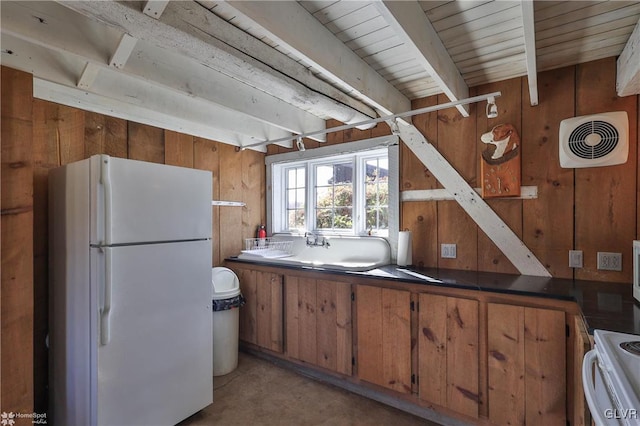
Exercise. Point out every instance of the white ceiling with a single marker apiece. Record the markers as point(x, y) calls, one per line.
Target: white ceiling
point(246, 72)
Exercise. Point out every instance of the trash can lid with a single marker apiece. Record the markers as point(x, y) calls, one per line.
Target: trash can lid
point(225, 283)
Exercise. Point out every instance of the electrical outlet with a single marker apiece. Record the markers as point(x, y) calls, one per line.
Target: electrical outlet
point(575, 258)
point(448, 251)
point(609, 261)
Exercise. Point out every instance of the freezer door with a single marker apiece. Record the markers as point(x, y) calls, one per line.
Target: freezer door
point(136, 202)
point(155, 325)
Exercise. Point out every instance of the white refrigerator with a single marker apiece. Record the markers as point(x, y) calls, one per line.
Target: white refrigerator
point(130, 321)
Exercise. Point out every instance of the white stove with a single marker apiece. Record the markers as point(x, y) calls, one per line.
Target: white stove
point(612, 389)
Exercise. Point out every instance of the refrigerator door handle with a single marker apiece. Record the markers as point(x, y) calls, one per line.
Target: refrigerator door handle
point(105, 328)
point(105, 180)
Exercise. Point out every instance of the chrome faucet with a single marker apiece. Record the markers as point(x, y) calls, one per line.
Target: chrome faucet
point(313, 240)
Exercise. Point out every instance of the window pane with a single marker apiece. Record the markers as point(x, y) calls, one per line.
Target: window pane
point(372, 219)
point(343, 173)
point(295, 197)
point(295, 219)
point(377, 193)
point(295, 178)
point(291, 199)
point(324, 175)
point(324, 197)
point(377, 169)
point(324, 218)
point(300, 198)
point(383, 194)
point(343, 195)
point(384, 218)
point(291, 178)
point(378, 218)
point(300, 176)
point(343, 218)
point(371, 198)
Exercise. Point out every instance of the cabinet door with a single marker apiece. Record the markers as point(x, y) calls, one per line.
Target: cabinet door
point(247, 314)
point(269, 323)
point(384, 337)
point(448, 356)
point(261, 317)
point(300, 314)
point(526, 365)
point(334, 331)
point(318, 323)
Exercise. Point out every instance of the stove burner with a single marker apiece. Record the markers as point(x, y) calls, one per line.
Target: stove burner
point(631, 347)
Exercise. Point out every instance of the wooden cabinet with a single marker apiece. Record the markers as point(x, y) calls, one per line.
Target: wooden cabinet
point(318, 323)
point(470, 354)
point(261, 320)
point(448, 353)
point(526, 365)
point(383, 330)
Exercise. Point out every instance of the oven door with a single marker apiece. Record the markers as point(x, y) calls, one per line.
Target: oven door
point(601, 399)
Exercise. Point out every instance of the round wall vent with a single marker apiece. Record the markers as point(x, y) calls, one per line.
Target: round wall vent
point(594, 140)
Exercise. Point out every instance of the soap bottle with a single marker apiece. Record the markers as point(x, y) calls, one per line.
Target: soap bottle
point(262, 235)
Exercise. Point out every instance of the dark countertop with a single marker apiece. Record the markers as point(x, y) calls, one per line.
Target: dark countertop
point(607, 306)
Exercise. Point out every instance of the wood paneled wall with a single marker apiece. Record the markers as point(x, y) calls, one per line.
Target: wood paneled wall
point(591, 209)
point(62, 135)
point(594, 209)
point(17, 218)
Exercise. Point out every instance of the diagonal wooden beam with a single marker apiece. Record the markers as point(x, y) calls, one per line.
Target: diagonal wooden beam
point(495, 228)
point(291, 25)
point(410, 23)
point(528, 25)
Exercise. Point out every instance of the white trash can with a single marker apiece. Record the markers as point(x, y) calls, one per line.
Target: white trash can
point(226, 301)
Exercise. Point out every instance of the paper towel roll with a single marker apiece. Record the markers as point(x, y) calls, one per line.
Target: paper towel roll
point(404, 248)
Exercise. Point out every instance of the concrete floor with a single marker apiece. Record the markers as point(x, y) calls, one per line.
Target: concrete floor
point(261, 393)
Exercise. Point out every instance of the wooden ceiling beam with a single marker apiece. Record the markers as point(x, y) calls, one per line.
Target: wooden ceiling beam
point(133, 98)
point(628, 73)
point(92, 47)
point(528, 26)
point(414, 29)
point(211, 52)
point(293, 27)
point(200, 17)
point(146, 114)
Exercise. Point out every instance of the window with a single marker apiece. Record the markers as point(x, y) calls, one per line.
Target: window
point(331, 192)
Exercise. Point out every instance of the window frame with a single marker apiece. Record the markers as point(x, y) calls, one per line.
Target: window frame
point(360, 151)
